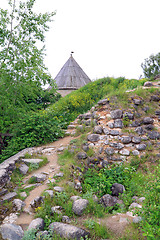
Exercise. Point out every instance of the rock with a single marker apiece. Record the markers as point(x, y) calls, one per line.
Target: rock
point(126, 139)
point(23, 169)
point(42, 234)
point(58, 189)
point(114, 132)
point(81, 155)
point(11, 231)
point(4, 177)
point(32, 160)
point(66, 219)
point(32, 185)
point(93, 137)
point(103, 102)
point(125, 152)
point(148, 120)
point(39, 177)
point(87, 116)
point(117, 189)
point(116, 114)
point(135, 124)
point(60, 174)
point(105, 163)
point(37, 223)
point(71, 127)
point(108, 200)
point(135, 205)
point(141, 199)
point(137, 101)
point(74, 198)
point(18, 204)
point(68, 231)
point(154, 135)
point(23, 194)
point(85, 148)
point(3, 191)
point(98, 130)
point(148, 84)
point(155, 98)
point(11, 218)
point(106, 131)
point(9, 196)
point(157, 112)
point(109, 151)
point(128, 115)
point(61, 149)
point(137, 219)
point(117, 145)
point(79, 206)
point(149, 127)
point(111, 125)
point(50, 192)
point(36, 202)
point(118, 123)
point(141, 147)
point(139, 130)
point(56, 209)
point(136, 139)
point(135, 152)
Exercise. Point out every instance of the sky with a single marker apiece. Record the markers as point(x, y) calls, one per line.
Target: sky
point(108, 37)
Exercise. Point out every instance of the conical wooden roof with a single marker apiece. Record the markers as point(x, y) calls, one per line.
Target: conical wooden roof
point(71, 76)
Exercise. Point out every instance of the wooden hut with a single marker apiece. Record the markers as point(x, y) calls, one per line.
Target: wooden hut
point(71, 77)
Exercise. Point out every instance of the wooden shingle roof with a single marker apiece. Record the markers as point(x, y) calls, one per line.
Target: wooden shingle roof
point(71, 76)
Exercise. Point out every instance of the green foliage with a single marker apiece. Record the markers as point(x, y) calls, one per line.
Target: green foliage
point(47, 125)
point(100, 182)
point(22, 71)
point(96, 229)
point(30, 234)
point(151, 66)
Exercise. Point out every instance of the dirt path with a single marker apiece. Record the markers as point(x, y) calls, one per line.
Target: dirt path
point(50, 169)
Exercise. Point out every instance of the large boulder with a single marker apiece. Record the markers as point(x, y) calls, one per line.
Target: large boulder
point(93, 137)
point(116, 145)
point(11, 231)
point(136, 139)
point(109, 151)
point(148, 120)
point(39, 177)
point(23, 169)
point(117, 189)
point(108, 201)
point(126, 139)
point(116, 114)
point(9, 196)
point(36, 202)
point(103, 102)
point(4, 177)
point(37, 223)
point(141, 147)
point(118, 123)
point(154, 135)
point(148, 84)
point(79, 206)
point(81, 155)
point(98, 129)
point(68, 231)
point(32, 160)
point(18, 204)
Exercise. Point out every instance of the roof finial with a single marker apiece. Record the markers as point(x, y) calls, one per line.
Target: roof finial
point(72, 53)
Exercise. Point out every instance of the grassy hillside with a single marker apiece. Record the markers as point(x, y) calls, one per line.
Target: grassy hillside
point(47, 126)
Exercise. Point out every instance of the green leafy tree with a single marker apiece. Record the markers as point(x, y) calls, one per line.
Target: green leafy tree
point(151, 66)
point(22, 70)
